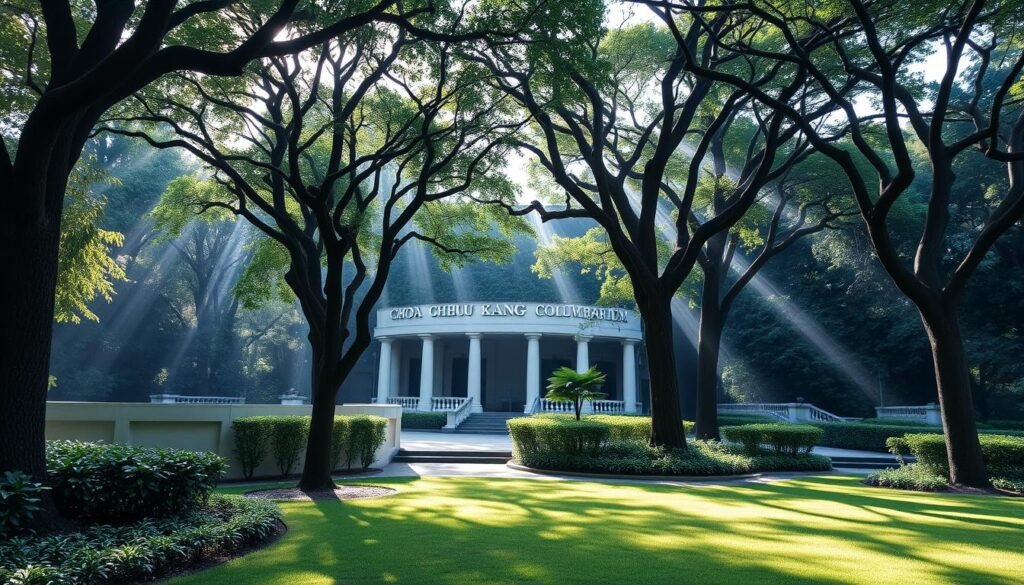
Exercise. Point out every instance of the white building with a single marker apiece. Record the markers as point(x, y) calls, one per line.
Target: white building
point(498, 356)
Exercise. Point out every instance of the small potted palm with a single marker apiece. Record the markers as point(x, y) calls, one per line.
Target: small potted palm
point(568, 385)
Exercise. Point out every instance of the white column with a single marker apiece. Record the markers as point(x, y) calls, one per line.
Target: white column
point(532, 369)
point(582, 353)
point(629, 375)
point(384, 371)
point(396, 369)
point(426, 373)
point(473, 373)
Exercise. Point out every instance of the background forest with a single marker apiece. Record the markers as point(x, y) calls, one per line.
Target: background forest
point(191, 314)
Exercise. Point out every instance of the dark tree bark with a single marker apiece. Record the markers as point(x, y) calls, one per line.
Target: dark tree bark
point(661, 367)
point(873, 44)
point(117, 56)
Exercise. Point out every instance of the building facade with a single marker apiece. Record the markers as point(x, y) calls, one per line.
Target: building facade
point(496, 357)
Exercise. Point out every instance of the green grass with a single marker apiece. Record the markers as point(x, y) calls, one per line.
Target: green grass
point(505, 531)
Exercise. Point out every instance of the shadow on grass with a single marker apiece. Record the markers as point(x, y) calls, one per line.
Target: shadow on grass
point(475, 530)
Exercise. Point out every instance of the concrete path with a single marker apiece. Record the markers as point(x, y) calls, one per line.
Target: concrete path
point(428, 441)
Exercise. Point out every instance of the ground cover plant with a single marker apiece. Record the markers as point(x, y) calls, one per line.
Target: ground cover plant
point(141, 550)
point(802, 530)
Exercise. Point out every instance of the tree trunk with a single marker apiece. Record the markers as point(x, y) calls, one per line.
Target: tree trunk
point(708, 349)
point(29, 256)
point(316, 471)
point(666, 420)
point(953, 382)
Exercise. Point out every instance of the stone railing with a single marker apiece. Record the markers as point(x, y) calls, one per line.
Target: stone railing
point(406, 402)
point(532, 407)
point(182, 399)
point(608, 406)
point(555, 406)
point(779, 411)
point(928, 413)
point(447, 403)
point(785, 411)
point(459, 415)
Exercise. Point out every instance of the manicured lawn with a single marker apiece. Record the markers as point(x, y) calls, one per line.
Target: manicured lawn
point(808, 530)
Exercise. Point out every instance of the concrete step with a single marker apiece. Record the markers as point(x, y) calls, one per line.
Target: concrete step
point(864, 462)
point(473, 457)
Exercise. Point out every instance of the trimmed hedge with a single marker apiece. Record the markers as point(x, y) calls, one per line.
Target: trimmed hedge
point(424, 420)
point(354, 441)
point(860, 436)
point(1003, 455)
point(140, 551)
point(1006, 425)
point(731, 420)
point(556, 435)
point(779, 438)
point(118, 483)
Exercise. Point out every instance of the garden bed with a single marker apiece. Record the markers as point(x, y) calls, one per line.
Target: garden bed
point(142, 550)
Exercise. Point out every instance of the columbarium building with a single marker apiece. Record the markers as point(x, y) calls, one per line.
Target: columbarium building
point(496, 357)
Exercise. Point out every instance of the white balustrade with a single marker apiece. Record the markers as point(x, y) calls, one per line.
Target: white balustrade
point(928, 413)
point(180, 399)
point(460, 414)
point(406, 402)
point(609, 406)
point(556, 406)
point(779, 411)
point(447, 403)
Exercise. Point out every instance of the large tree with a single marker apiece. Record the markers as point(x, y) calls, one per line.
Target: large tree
point(340, 156)
point(623, 129)
point(881, 46)
point(65, 64)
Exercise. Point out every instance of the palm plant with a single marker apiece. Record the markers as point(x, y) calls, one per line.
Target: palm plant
point(568, 385)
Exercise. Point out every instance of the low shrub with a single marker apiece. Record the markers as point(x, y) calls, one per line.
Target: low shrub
point(1003, 455)
point(20, 500)
point(288, 436)
point(119, 483)
point(805, 462)
point(1010, 484)
point(139, 551)
point(633, 458)
point(860, 436)
point(341, 435)
point(915, 476)
point(354, 440)
point(1006, 425)
point(624, 428)
point(779, 438)
point(731, 420)
point(252, 441)
point(557, 435)
point(366, 433)
point(424, 420)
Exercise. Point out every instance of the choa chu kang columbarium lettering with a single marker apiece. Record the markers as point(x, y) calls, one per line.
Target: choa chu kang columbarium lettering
point(455, 310)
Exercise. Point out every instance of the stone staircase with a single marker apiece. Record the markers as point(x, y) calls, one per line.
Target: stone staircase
point(464, 456)
point(487, 423)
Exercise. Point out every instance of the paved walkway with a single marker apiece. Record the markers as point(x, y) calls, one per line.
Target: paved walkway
point(427, 441)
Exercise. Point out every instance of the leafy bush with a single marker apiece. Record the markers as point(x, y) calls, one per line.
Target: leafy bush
point(366, 433)
point(341, 435)
point(1010, 484)
point(118, 483)
point(860, 436)
point(20, 499)
point(805, 462)
point(252, 441)
point(780, 438)
point(1007, 425)
point(423, 420)
point(730, 420)
point(915, 476)
point(561, 435)
point(138, 551)
point(288, 436)
point(1003, 455)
